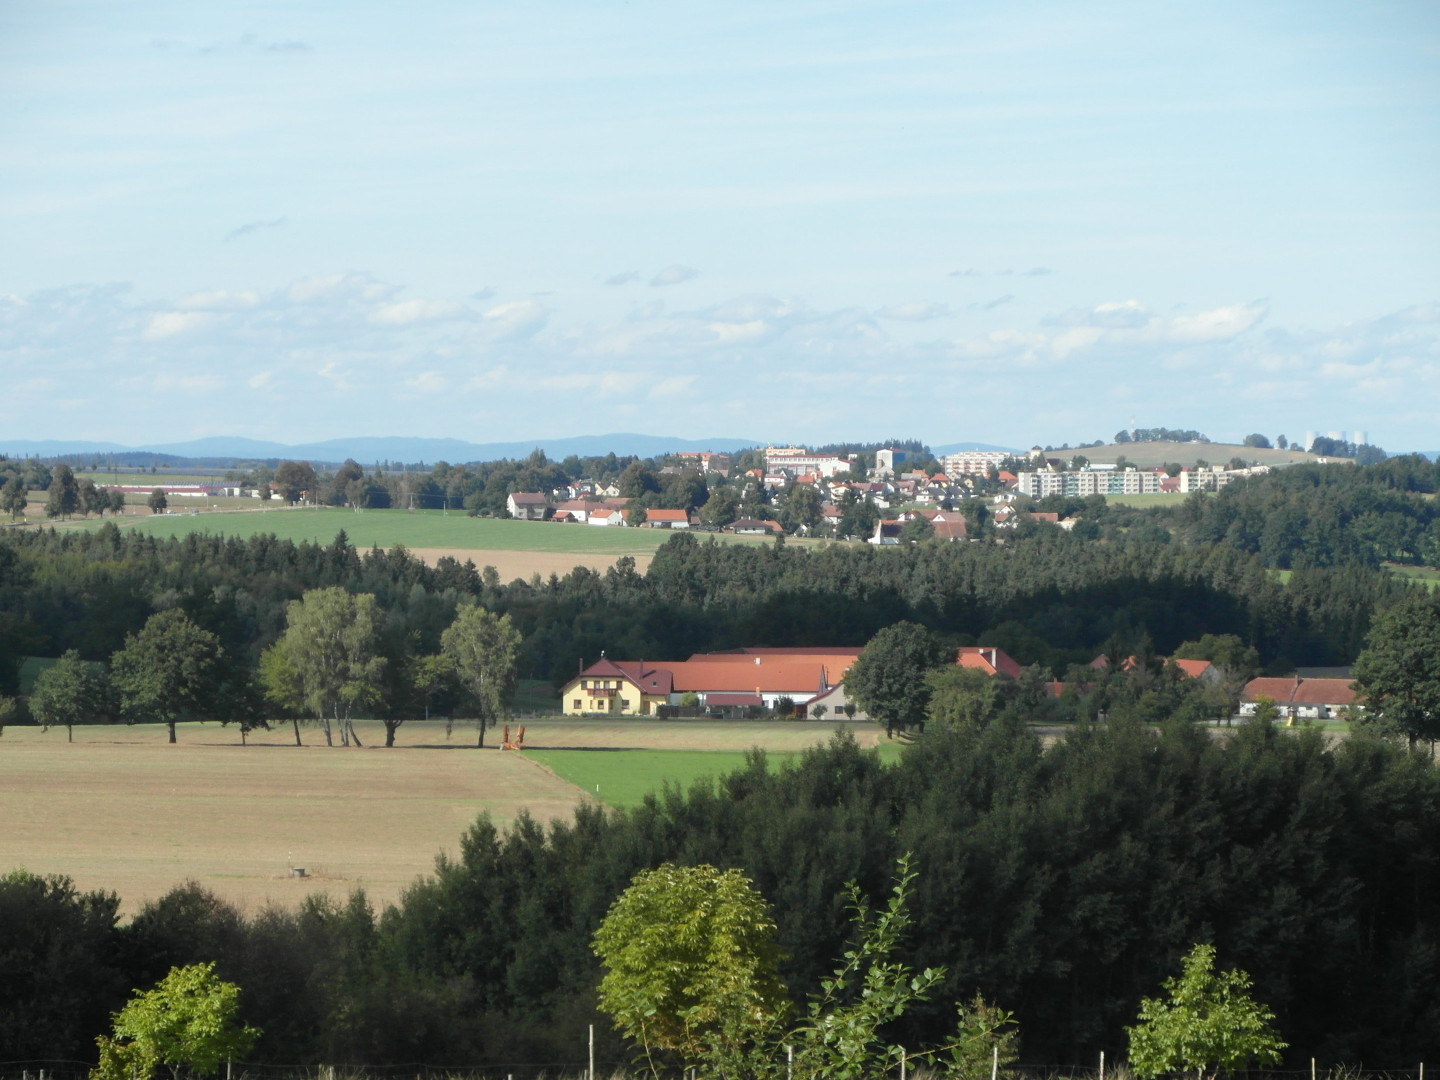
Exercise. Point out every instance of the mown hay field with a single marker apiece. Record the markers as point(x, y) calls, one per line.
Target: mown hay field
point(121, 809)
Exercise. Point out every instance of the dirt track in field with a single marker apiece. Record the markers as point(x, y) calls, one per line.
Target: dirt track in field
point(521, 564)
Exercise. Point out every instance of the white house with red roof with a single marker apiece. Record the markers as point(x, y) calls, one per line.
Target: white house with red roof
point(1300, 698)
point(746, 677)
point(667, 519)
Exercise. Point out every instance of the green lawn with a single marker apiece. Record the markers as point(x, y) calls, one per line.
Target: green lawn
point(622, 778)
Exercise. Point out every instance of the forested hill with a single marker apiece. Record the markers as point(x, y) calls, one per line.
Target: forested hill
point(1319, 515)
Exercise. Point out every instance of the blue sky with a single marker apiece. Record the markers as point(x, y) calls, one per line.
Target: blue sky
point(1000, 222)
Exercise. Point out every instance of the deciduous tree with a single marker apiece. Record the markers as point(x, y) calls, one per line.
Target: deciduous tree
point(188, 1021)
point(1208, 1022)
point(483, 647)
point(691, 963)
point(332, 647)
point(71, 691)
point(292, 478)
point(887, 680)
point(168, 671)
point(64, 495)
point(1398, 673)
point(14, 497)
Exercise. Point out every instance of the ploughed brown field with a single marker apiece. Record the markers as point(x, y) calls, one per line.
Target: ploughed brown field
point(121, 809)
point(521, 564)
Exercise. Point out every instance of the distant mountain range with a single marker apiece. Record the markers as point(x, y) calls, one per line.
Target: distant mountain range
point(367, 450)
point(224, 450)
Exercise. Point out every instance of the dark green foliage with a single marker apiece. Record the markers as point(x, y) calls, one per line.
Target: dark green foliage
point(888, 679)
point(171, 670)
point(1398, 674)
point(60, 967)
point(1062, 885)
point(1327, 515)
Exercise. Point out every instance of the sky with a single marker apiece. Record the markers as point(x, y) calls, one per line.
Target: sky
point(1004, 222)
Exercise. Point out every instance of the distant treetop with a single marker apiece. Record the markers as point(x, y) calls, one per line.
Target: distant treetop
point(1160, 434)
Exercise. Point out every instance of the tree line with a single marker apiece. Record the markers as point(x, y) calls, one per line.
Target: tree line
point(1047, 597)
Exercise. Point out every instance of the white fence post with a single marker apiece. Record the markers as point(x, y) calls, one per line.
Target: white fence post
point(591, 1074)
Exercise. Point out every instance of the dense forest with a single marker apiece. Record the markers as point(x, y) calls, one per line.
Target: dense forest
point(1061, 884)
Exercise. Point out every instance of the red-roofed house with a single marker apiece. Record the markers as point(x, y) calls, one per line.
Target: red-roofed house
point(762, 676)
point(1306, 699)
point(617, 688)
point(989, 659)
point(667, 519)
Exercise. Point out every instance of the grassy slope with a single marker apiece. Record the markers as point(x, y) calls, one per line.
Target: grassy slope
point(1167, 498)
point(1146, 455)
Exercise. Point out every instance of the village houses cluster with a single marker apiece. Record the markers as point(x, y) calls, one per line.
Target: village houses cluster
point(810, 682)
point(898, 495)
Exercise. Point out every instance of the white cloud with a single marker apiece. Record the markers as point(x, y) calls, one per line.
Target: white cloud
point(219, 300)
point(1218, 324)
point(331, 288)
point(743, 333)
point(428, 382)
point(515, 321)
point(352, 332)
point(169, 324)
point(674, 274)
point(674, 386)
point(919, 311)
point(623, 278)
point(991, 305)
point(331, 372)
point(491, 379)
point(405, 312)
point(603, 383)
point(253, 227)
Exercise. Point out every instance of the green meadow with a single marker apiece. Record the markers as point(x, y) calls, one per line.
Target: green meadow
point(414, 529)
point(622, 778)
